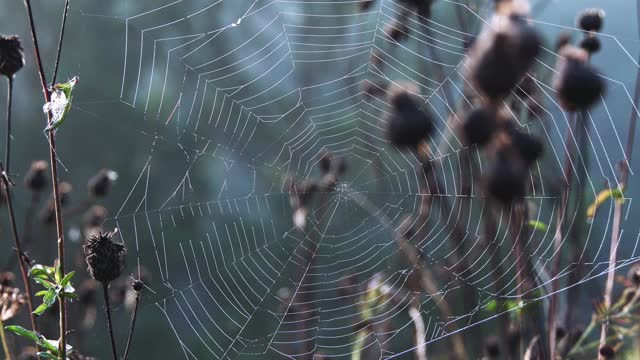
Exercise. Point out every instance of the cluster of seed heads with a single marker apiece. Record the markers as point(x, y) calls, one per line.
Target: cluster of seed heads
point(11, 300)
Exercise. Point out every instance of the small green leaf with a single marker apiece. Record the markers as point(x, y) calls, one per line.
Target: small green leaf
point(46, 355)
point(70, 296)
point(41, 293)
point(19, 330)
point(67, 278)
point(46, 283)
point(47, 301)
point(617, 194)
point(538, 225)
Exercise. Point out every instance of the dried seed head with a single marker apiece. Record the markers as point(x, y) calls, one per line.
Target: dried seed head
point(492, 347)
point(7, 278)
point(137, 285)
point(634, 274)
point(500, 57)
point(506, 179)
point(397, 31)
point(374, 88)
point(325, 162)
point(529, 147)
point(100, 184)
point(36, 178)
point(607, 351)
point(590, 44)
point(577, 83)
point(365, 5)
point(591, 20)
point(105, 258)
point(11, 55)
point(408, 124)
point(479, 126)
point(95, 216)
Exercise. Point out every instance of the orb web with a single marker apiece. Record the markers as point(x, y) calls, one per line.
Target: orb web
point(237, 96)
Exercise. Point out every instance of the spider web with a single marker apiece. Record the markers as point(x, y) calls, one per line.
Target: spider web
point(237, 95)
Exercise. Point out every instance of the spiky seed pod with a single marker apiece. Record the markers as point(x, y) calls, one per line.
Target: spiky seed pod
point(529, 147)
point(36, 178)
point(577, 83)
point(365, 5)
point(104, 257)
point(607, 351)
point(397, 31)
point(479, 126)
point(325, 163)
point(590, 44)
point(11, 55)
point(499, 59)
point(100, 184)
point(408, 124)
point(506, 179)
point(591, 20)
point(95, 216)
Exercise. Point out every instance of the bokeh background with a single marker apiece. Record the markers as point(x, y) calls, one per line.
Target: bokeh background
point(203, 115)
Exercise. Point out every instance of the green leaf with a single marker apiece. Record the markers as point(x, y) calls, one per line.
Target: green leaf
point(46, 355)
point(47, 301)
point(19, 330)
point(538, 225)
point(41, 292)
point(40, 272)
point(67, 278)
point(46, 283)
point(60, 103)
point(70, 296)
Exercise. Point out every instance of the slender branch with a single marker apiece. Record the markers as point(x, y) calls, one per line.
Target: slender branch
point(7, 159)
point(133, 324)
point(60, 38)
point(54, 169)
point(5, 346)
point(617, 214)
point(107, 310)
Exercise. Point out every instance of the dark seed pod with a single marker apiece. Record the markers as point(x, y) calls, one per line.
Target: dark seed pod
point(65, 190)
point(506, 180)
point(100, 184)
point(607, 351)
point(7, 279)
point(137, 285)
point(578, 84)
point(560, 332)
point(36, 178)
point(479, 126)
point(365, 5)
point(325, 163)
point(500, 65)
point(408, 123)
point(11, 55)
point(590, 44)
point(105, 258)
point(591, 20)
point(95, 216)
point(397, 31)
point(529, 147)
point(492, 347)
point(634, 274)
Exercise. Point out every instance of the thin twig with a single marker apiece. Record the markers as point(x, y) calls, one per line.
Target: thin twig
point(3, 339)
point(133, 324)
point(12, 217)
point(54, 172)
point(60, 38)
point(7, 159)
point(617, 214)
point(107, 310)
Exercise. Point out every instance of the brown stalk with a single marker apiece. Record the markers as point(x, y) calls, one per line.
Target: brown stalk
point(617, 213)
point(132, 325)
point(54, 164)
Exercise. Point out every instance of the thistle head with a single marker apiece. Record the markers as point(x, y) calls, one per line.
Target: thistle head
point(11, 55)
point(104, 257)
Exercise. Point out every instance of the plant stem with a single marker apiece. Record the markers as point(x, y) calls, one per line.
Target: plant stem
point(8, 143)
point(617, 217)
point(61, 37)
point(107, 310)
point(12, 217)
point(54, 168)
point(5, 346)
point(133, 324)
